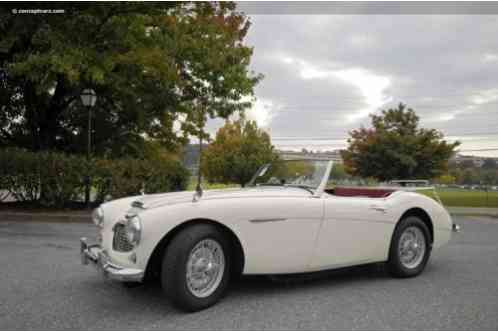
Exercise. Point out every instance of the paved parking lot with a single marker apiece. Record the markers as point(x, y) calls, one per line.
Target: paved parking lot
point(43, 286)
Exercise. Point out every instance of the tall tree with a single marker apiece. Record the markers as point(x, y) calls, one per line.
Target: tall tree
point(152, 66)
point(237, 152)
point(396, 148)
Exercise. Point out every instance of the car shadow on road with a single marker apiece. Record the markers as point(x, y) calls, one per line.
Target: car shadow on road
point(256, 285)
point(279, 283)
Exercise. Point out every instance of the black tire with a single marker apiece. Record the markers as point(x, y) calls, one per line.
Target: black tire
point(131, 284)
point(394, 265)
point(174, 267)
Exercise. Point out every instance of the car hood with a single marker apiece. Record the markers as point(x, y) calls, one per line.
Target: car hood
point(156, 200)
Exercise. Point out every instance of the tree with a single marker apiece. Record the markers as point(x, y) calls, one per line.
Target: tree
point(489, 177)
point(396, 148)
point(236, 153)
point(470, 176)
point(489, 163)
point(338, 173)
point(446, 179)
point(152, 65)
point(467, 163)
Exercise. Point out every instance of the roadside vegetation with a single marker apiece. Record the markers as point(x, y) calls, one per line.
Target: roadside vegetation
point(158, 71)
point(395, 147)
point(236, 153)
point(50, 179)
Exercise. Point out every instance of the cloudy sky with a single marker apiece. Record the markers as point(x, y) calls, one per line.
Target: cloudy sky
point(325, 73)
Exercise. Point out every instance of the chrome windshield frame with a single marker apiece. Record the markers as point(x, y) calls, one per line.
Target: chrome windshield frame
point(318, 191)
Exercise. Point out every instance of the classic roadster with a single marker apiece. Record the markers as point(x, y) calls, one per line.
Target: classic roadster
point(286, 221)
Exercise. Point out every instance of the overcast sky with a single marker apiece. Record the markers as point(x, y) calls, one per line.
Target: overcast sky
point(325, 73)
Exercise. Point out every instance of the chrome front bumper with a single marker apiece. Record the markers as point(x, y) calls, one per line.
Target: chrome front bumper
point(93, 253)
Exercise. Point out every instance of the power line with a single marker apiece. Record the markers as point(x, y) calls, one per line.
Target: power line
point(329, 138)
point(475, 150)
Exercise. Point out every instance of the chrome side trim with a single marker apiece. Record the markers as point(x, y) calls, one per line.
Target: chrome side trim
point(93, 253)
point(267, 220)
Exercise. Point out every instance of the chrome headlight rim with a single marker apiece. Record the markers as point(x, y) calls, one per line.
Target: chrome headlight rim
point(98, 216)
point(133, 229)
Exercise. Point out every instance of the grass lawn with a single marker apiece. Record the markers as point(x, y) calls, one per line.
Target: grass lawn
point(470, 198)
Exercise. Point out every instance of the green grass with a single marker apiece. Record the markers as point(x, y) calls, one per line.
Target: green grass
point(470, 198)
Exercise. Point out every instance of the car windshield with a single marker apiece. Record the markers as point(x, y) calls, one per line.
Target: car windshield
point(306, 174)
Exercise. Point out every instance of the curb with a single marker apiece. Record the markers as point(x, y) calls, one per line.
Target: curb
point(464, 211)
point(45, 217)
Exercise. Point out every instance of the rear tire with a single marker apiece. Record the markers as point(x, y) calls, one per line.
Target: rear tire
point(196, 267)
point(131, 284)
point(410, 248)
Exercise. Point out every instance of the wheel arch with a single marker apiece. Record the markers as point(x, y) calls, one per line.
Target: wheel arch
point(423, 215)
point(153, 268)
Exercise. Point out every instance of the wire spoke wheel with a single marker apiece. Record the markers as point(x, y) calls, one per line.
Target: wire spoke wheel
point(412, 247)
point(205, 268)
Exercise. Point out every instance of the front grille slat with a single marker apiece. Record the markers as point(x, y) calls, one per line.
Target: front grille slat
point(120, 241)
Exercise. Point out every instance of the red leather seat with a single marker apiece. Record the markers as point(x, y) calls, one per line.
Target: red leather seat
point(367, 192)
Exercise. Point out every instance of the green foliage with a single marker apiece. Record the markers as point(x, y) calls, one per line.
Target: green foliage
point(61, 177)
point(396, 148)
point(237, 152)
point(446, 179)
point(56, 179)
point(467, 173)
point(151, 65)
point(338, 173)
point(489, 164)
point(20, 172)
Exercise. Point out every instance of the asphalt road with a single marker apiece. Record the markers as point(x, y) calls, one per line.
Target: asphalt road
point(43, 286)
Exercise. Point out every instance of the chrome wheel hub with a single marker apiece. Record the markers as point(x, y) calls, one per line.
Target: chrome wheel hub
point(411, 247)
point(205, 268)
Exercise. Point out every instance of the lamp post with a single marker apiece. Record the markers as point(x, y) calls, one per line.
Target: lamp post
point(88, 99)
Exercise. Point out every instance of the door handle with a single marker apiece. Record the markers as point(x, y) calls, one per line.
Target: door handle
point(377, 208)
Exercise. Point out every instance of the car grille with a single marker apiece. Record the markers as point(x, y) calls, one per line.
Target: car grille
point(120, 241)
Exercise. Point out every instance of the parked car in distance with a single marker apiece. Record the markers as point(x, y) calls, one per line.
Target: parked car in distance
point(286, 221)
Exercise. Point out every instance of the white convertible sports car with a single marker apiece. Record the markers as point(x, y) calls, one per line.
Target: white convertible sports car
point(285, 222)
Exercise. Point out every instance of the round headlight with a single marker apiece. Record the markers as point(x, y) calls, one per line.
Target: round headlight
point(133, 229)
point(98, 216)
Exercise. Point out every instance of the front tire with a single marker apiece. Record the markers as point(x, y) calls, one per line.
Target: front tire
point(195, 268)
point(410, 248)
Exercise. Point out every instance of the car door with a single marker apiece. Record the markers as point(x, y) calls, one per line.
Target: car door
point(354, 230)
point(279, 233)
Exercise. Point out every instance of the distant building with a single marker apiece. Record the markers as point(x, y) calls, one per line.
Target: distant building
point(310, 155)
point(477, 161)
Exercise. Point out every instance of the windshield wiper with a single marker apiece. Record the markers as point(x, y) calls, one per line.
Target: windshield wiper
point(301, 186)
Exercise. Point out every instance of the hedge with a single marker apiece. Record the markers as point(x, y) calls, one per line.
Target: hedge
point(57, 179)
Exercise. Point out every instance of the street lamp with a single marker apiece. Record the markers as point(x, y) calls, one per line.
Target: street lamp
point(88, 99)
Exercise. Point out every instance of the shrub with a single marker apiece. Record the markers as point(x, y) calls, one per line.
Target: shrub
point(20, 173)
point(62, 178)
point(56, 179)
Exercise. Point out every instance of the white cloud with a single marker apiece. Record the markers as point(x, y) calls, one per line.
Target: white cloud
point(262, 111)
point(485, 97)
point(490, 57)
point(370, 85)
